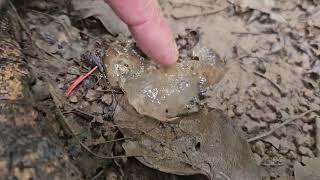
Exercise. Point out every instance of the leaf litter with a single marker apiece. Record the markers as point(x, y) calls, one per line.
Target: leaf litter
point(196, 140)
point(202, 143)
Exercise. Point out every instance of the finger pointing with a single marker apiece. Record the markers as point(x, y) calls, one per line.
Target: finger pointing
point(148, 27)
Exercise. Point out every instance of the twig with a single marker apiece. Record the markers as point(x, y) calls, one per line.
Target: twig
point(197, 15)
point(103, 156)
point(282, 92)
point(318, 136)
point(282, 125)
point(75, 110)
point(21, 22)
point(202, 6)
point(224, 175)
point(114, 91)
point(116, 140)
point(98, 174)
point(120, 169)
point(246, 33)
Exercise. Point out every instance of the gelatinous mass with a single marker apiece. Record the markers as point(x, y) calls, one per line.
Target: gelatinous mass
point(160, 92)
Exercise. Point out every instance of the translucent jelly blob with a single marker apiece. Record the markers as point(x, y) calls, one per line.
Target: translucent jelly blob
point(158, 91)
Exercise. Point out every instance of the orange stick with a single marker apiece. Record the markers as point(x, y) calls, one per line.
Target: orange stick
point(78, 81)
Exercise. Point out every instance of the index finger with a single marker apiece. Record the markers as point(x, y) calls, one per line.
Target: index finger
point(148, 27)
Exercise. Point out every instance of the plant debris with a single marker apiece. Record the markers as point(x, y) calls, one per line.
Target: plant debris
point(204, 143)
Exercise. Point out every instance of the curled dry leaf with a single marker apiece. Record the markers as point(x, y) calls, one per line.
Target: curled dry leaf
point(102, 11)
point(202, 143)
point(160, 92)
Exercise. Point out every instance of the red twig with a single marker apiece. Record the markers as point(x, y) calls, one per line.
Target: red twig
point(78, 81)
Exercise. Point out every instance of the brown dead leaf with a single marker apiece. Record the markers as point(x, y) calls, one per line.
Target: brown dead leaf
point(203, 143)
point(102, 11)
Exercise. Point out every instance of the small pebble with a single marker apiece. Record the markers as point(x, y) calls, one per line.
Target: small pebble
point(272, 152)
point(253, 126)
point(275, 142)
point(251, 92)
point(308, 94)
point(73, 99)
point(303, 140)
point(307, 128)
point(239, 110)
point(276, 47)
point(266, 92)
point(259, 148)
point(292, 155)
point(182, 42)
point(230, 113)
point(61, 85)
point(97, 108)
point(91, 95)
point(270, 117)
point(255, 115)
point(309, 119)
point(261, 67)
point(259, 103)
point(84, 105)
point(286, 146)
point(107, 99)
point(273, 106)
point(111, 175)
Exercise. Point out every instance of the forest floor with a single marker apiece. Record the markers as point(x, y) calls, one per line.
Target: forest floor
point(270, 90)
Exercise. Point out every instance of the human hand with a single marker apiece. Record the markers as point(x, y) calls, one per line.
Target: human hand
point(148, 27)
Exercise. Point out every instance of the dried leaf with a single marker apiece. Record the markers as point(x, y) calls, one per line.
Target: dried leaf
point(102, 11)
point(203, 143)
point(59, 37)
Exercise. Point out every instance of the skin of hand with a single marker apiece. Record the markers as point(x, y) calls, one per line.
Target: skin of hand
point(148, 27)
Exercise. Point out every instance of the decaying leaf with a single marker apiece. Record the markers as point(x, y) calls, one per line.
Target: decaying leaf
point(160, 92)
point(59, 37)
point(102, 11)
point(311, 170)
point(202, 143)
